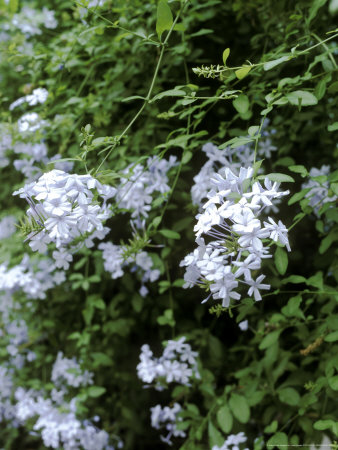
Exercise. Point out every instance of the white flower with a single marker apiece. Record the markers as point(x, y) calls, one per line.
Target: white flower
point(278, 232)
point(255, 286)
point(62, 258)
point(244, 325)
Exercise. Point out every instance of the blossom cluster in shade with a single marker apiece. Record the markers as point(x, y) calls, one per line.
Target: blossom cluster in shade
point(38, 96)
point(7, 227)
point(232, 442)
point(177, 364)
point(66, 370)
point(233, 158)
point(138, 184)
point(141, 263)
point(318, 190)
point(167, 418)
point(54, 417)
point(65, 207)
point(29, 21)
point(237, 236)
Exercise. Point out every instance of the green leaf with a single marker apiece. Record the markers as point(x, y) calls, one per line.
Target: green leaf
point(296, 279)
point(332, 337)
point(320, 89)
point(186, 157)
point(241, 73)
point(164, 18)
point(279, 440)
point(281, 260)
point(99, 303)
point(224, 419)
point(299, 169)
point(292, 307)
point(323, 424)
point(226, 54)
point(240, 408)
point(270, 64)
point(215, 437)
point(169, 93)
point(272, 427)
point(269, 339)
point(289, 396)
point(101, 359)
point(303, 98)
point(241, 104)
point(298, 196)
point(334, 188)
point(96, 391)
point(333, 382)
point(316, 4)
point(170, 234)
point(253, 130)
point(333, 126)
point(280, 178)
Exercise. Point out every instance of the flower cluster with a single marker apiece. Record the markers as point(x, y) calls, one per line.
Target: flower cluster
point(233, 158)
point(38, 96)
point(68, 371)
point(231, 220)
point(29, 21)
point(139, 183)
point(318, 190)
point(31, 122)
point(115, 263)
point(64, 207)
point(167, 418)
point(54, 417)
point(57, 428)
point(232, 442)
point(7, 227)
point(34, 278)
point(177, 364)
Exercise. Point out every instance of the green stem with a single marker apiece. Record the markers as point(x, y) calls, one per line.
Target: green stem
point(257, 138)
point(151, 88)
point(327, 49)
point(115, 25)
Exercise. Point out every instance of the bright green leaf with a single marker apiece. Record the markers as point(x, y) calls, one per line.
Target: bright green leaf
point(280, 178)
point(269, 339)
point(289, 396)
point(164, 17)
point(323, 424)
point(240, 408)
point(333, 382)
point(279, 440)
point(303, 98)
point(281, 260)
point(170, 234)
point(299, 169)
point(270, 64)
point(292, 307)
point(241, 103)
point(241, 73)
point(224, 419)
point(169, 93)
point(333, 126)
point(332, 337)
point(253, 130)
point(96, 391)
point(215, 437)
point(226, 54)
